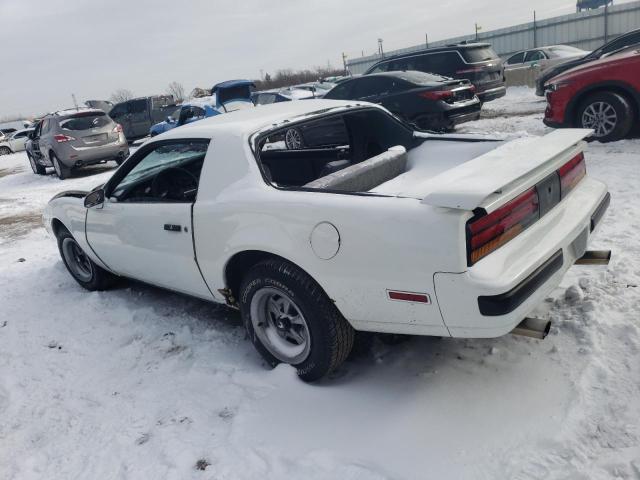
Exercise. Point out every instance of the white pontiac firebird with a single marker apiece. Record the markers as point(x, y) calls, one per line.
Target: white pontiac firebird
point(368, 226)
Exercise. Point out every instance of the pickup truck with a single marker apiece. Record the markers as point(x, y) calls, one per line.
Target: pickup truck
point(385, 230)
point(138, 115)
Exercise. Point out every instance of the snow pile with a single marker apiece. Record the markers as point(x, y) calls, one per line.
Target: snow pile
point(139, 383)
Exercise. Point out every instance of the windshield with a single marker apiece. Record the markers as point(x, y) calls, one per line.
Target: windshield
point(481, 54)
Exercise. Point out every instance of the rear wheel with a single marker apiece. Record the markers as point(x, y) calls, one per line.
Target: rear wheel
point(62, 171)
point(84, 271)
point(610, 116)
point(36, 167)
point(291, 320)
point(5, 151)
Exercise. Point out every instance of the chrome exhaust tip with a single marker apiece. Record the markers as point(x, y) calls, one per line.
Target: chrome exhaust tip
point(533, 328)
point(595, 257)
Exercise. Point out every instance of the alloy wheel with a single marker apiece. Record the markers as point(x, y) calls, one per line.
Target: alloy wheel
point(78, 261)
point(601, 117)
point(280, 325)
point(293, 139)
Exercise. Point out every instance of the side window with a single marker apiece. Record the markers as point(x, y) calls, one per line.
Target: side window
point(366, 87)
point(383, 67)
point(138, 106)
point(198, 112)
point(170, 172)
point(400, 65)
point(445, 63)
point(515, 59)
point(118, 111)
point(341, 91)
point(44, 126)
point(534, 56)
point(21, 134)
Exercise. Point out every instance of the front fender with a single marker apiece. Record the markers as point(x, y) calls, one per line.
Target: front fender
point(68, 209)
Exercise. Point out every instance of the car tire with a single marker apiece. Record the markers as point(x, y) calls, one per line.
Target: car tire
point(62, 171)
point(290, 319)
point(120, 160)
point(36, 167)
point(5, 151)
point(83, 270)
point(609, 114)
point(293, 139)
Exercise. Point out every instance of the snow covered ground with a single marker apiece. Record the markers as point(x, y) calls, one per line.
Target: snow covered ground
point(139, 383)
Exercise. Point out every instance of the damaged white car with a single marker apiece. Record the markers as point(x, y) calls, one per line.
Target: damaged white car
point(369, 226)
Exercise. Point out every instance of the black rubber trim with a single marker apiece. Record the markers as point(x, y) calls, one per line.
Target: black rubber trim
point(600, 211)
point(494, 305)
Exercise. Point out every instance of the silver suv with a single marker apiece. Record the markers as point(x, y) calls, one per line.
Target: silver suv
point(74, 138)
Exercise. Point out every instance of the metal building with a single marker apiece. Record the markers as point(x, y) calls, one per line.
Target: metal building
point(586, 29)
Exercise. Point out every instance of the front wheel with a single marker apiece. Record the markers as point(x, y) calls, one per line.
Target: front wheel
point(36, 167)
point(608, 114)
point(293, 139)
point(5, 151)
point(291, 320)
point(84, 271)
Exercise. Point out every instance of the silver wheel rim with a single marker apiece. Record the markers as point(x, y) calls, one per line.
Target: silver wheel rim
point(293, 139)
point(601, 117)
point(77, 260)
point(280, 325)
point(56, 165)
point(5, 151)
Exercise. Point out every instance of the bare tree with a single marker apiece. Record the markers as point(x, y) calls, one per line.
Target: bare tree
point(177, 90)
point(121, 95)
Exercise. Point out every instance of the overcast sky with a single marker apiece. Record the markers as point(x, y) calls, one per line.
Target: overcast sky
point(52, 48)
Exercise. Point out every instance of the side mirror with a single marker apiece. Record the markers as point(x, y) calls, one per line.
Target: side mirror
point(94, 198)
point(169, 120)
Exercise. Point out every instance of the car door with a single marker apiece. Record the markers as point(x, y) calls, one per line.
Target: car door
point(18, 140)
point(37, 138)
point(535, 57)
point(143, 232)
point(139, 118)
point(515, 61)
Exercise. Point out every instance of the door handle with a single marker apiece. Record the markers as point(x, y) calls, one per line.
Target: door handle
point(172, 228)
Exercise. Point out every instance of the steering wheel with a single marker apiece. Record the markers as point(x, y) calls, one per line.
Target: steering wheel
point(174, 183)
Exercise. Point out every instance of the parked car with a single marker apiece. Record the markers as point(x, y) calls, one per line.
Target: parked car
point(14, 142)
point(476, 62)
point(138, 115)
point(186, 113)
point(71, 139)
point(603, 95)
point(618, 43)
point(398, 231)
point(431, 102)
point(233, 95)
point(7, 131)
point(543, 57)
point(266, 97)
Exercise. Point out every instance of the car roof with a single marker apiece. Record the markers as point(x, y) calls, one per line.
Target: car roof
point(73, 111)
point(251, 120)
point(411, 76)
point(454, 47)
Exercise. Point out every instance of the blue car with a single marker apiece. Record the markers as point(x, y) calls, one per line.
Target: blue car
point(225, 97)
point(186, 113)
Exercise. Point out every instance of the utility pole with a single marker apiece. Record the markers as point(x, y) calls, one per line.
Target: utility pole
point(426, 39)
point(606, 22)
point(380, 50)
point(75, 102)
point(477, 29)
point(344, 62)
point(535, 31)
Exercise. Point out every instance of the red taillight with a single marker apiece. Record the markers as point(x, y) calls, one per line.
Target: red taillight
point(487, 233)
point(436, 94)
point(63, 138)
point(571, 173)
point(117, 128)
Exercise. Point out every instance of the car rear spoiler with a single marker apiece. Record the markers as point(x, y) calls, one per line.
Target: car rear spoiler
point(491, 179)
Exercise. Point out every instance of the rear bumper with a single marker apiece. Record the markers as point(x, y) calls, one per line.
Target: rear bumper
point(492, 93)
point(495, 294)
point(75, 157)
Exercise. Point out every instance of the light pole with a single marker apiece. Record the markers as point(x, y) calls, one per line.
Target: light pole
point(380, 50)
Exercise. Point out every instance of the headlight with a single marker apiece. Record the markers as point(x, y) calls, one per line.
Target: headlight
point(554, 87)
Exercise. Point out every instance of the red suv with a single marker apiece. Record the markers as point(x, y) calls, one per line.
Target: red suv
point(603, 95)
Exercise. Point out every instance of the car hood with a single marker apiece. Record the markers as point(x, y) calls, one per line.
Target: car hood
point(598, 64)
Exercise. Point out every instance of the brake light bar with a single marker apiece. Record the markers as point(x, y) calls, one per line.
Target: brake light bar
point(571, 173)
point(436, 94)
point(486, 233)
point(63, 138)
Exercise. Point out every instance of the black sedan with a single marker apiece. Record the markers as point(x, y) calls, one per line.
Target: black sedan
point(430, 102)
